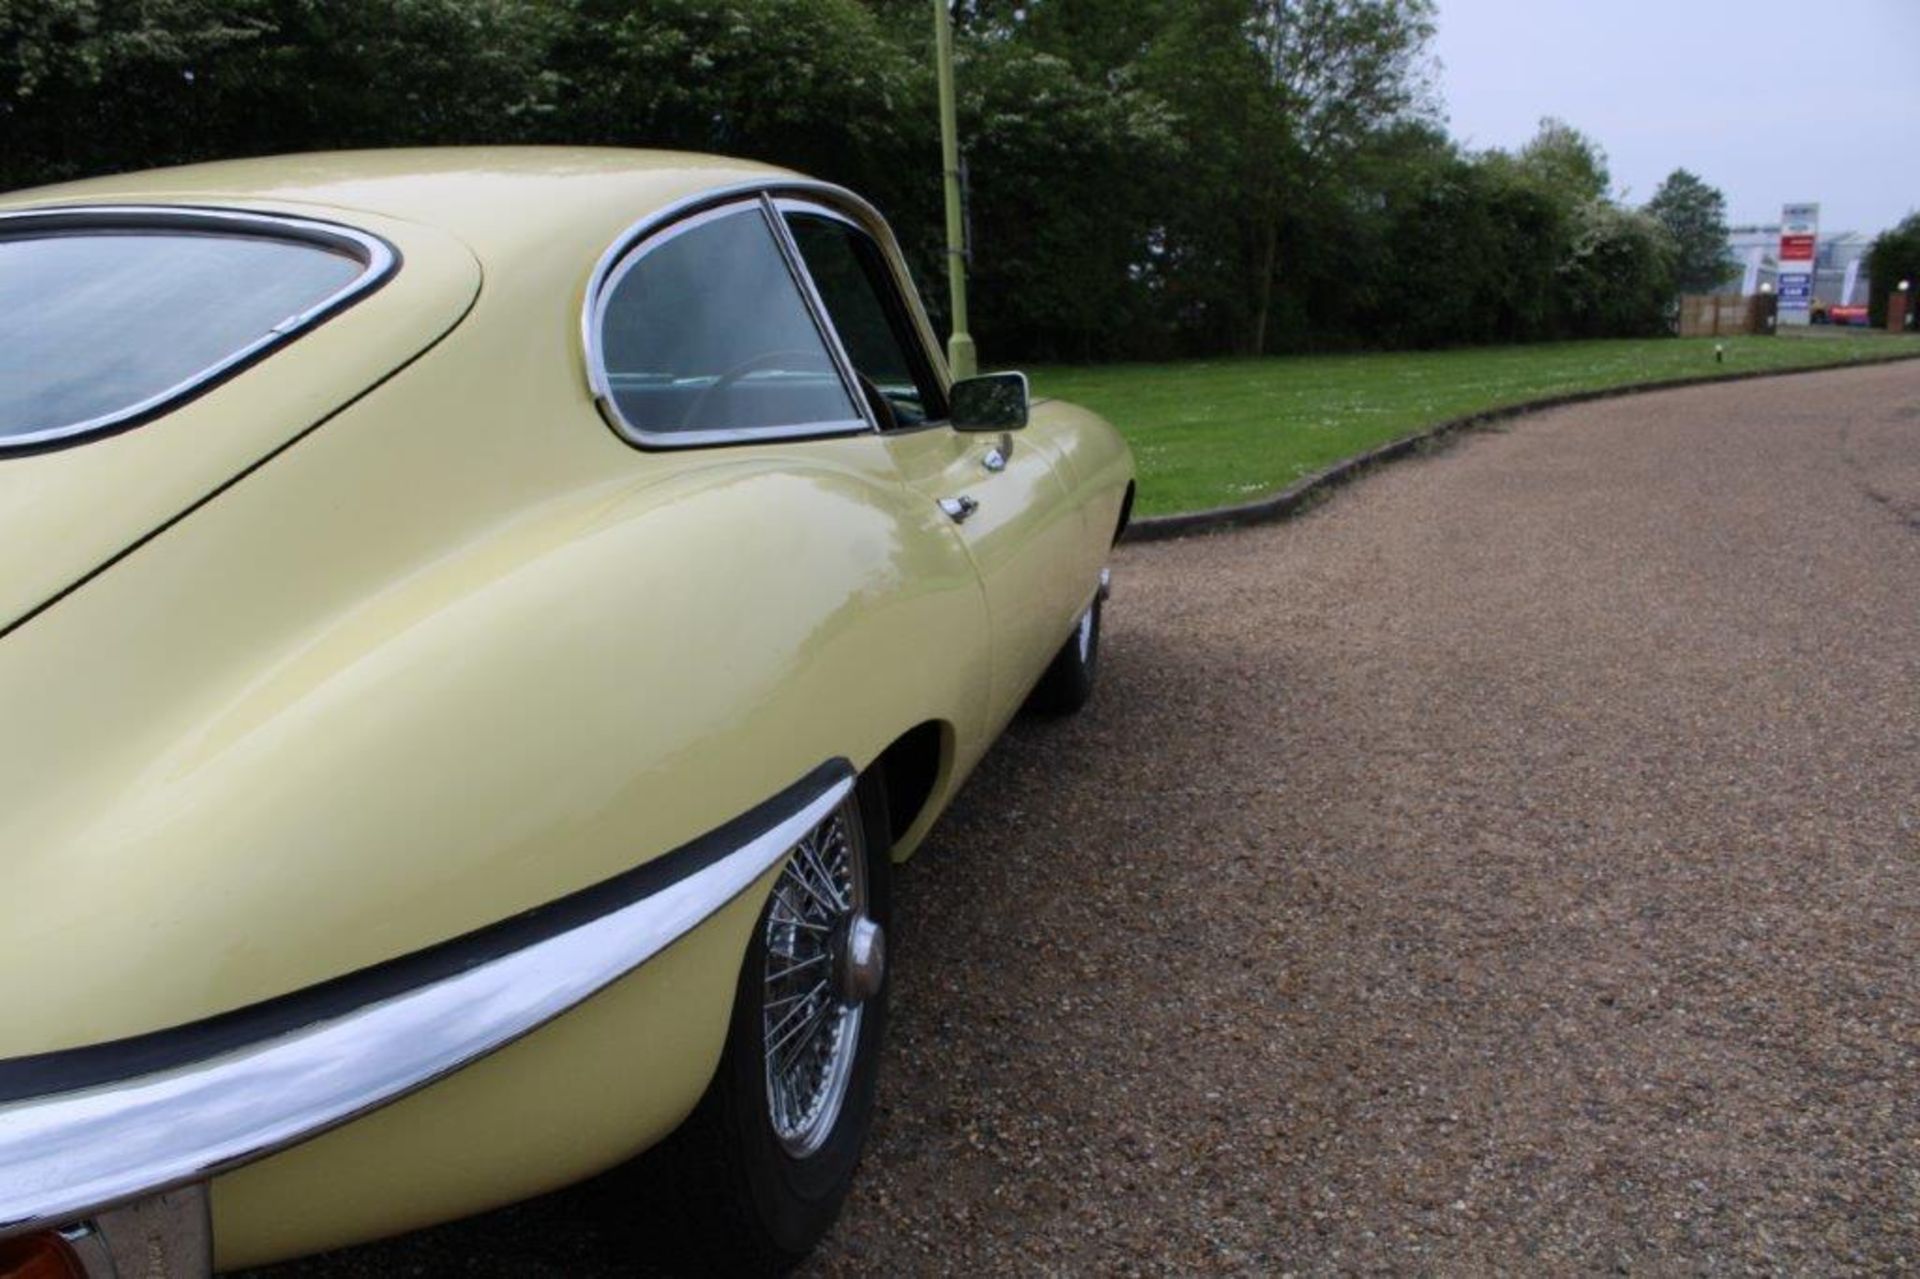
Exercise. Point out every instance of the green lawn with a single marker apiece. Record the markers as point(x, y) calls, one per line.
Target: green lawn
point(1213, 432)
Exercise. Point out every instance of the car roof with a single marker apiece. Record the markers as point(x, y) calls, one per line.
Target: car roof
point(499, 200)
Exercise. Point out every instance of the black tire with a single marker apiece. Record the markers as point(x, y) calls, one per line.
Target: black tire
point(1068, 682)
point(745, 1206)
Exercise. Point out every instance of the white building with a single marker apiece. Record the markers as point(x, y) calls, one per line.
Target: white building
point(1839, 262)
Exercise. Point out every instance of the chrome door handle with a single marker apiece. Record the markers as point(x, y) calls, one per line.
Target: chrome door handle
point(959, 508)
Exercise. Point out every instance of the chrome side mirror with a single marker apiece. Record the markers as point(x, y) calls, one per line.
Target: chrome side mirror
point(991, 402)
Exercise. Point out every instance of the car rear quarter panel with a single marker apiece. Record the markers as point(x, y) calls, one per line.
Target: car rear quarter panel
point(67, 510)
point(456, 653)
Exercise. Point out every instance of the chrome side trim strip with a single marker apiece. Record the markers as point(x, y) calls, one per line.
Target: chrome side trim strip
point(378, 261)
point(69, 1152)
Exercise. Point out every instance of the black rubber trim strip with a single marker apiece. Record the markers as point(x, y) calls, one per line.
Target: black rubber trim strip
point(70, 1069)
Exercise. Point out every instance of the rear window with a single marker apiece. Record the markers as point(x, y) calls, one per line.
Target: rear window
point(108, 317)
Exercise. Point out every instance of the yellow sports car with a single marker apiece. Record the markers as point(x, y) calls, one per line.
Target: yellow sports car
point(476, 628)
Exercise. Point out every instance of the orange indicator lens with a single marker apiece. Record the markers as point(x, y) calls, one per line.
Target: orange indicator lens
point(41, 1256)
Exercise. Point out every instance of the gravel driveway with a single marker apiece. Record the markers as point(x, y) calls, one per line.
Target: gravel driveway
point(1512, 865)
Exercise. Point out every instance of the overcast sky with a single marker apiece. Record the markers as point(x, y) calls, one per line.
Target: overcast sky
point(1769, 100)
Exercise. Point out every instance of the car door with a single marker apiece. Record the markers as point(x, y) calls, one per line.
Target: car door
point(1003, 492)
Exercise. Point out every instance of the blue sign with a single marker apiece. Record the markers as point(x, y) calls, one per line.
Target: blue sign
point(1796, 290)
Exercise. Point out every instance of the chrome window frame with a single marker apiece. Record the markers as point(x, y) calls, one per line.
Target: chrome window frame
point(660, 226)
point(378, 261)
point(904, 292)
point(610, 286)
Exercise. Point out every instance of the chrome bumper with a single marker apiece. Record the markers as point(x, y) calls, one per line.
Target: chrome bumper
point(85, 1131)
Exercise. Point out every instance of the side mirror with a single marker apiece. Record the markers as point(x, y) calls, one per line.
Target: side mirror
point(992, 402)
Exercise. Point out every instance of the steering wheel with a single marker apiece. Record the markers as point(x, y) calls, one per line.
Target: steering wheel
point(752, 364)
point(877, 400)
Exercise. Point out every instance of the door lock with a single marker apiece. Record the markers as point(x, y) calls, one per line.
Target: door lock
point(959, 508)
point(996, 458)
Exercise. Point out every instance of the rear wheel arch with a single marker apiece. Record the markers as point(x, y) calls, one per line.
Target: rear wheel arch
point(911, 770)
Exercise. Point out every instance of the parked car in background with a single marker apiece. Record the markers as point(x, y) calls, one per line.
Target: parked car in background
point(476, 629)
point(1835, 313)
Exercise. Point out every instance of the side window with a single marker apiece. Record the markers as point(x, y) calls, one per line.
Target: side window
point(704, 335)
point(853, 281)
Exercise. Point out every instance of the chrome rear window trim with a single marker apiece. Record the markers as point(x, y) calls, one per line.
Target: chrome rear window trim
point(144, 1115)
point(378, 259)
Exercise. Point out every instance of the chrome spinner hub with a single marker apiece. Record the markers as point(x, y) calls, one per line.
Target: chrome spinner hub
point(860, 962)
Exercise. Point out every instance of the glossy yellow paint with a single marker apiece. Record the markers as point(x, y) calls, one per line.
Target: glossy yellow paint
point(1020, 535)
point(580, 1096)
point(66, 511)
point(462, 650)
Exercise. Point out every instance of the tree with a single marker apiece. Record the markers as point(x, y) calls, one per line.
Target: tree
point(1895, 256)
point(1470, 254)
point(1695, 216)
point(1618, 273)
point(86, 86)
point(90, 85)
point(1273, 99)
point(815, 84)
point(1147, 177)
point(1066, 178)
point(1332, 71)
point(1561, 162)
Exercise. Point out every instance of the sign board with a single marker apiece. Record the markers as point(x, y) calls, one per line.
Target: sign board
point(1799, 240)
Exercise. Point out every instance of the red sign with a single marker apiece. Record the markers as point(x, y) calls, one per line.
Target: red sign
point(1796, 248)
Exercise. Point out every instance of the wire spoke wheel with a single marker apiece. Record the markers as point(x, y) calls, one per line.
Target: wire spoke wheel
point(760, 1169)
point(821, 962)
